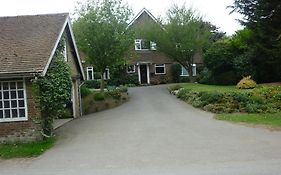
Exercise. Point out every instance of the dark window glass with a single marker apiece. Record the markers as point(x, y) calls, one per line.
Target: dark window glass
point(12, 85)
point(21, 113)
point(7, 114)
point(21, 103)
point(13, 94)
point(1, 114)
point(6, 95)
point(160, 70)
point(14, 103)
point(20, 85)
point(6, 104)
point(14, 113)
point(90, 75)
point(6, 86)
point(1, 104)
point(0, 95)
point(20, 94)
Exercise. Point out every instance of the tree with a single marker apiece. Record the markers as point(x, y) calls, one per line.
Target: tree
point(263, 17)
point(182, 36)
point(101, 33)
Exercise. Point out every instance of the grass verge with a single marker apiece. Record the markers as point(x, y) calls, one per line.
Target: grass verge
point(272, 120)
point(25, 149)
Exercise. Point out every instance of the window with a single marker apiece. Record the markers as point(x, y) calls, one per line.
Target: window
point(90, 73)
point(131, 69)
point(160, 69)
point(13, 105)
point(141, 44)
point(153, 45)
point(185, 73)
point(106, 74)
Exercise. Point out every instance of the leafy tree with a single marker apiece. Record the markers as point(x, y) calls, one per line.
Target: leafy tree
point(263, 17)
point(101, 32)
point(182, 36)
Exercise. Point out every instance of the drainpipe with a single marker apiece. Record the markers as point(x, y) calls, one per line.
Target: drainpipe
point(81, 107)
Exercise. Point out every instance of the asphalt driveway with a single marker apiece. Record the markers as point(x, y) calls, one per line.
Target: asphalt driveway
point(155, 134)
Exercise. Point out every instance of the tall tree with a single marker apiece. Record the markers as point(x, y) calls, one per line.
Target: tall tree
point(182, 36)
point(101, 33)
point(263, 17)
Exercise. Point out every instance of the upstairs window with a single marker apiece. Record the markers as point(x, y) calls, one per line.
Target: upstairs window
point(184, 72)
point(90, 73)
point(131, 69)
point(13, 105)
point(153, 45)
point(141, 44)
point(160, 69)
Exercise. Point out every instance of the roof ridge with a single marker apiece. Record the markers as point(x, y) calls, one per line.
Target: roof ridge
point(44, 14)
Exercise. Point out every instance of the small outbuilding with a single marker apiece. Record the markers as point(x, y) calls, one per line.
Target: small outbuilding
point(27, 48)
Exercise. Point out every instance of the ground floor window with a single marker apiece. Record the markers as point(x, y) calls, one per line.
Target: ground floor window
point(13, 105)
point(90, 73)
point(131, 69)
point(160, 69)
point(185, 73)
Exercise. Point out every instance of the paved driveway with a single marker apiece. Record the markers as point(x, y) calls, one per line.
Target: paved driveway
point(155, 134)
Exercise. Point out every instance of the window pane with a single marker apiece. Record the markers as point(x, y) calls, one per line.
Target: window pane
point(20, 85)
point(21, 103)
point(14, 113)
point(1, 114)
point(6, 104)
point(160, 70)
point(21, 113)
point(14, 103)
point(12, 85)
point(20, 94)
point(0, 95)
point(184, 71)
point(7, 114)
point(1, 104)
point(5, 86)
point(6, 95)
point(13, 95)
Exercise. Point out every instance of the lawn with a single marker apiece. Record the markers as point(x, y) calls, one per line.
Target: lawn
point(263, 119)
point(25, 149)
point(208, 88)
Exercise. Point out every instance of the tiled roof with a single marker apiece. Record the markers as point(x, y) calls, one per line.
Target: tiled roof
point(26, 42)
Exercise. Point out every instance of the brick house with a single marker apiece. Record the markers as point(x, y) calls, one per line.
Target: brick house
point(150, 65)
point(27, 47)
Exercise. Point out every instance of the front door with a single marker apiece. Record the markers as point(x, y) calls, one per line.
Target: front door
point(143, 74)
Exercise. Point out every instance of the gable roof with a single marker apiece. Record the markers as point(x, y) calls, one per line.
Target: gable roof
point(144, 10)
point(28, 43)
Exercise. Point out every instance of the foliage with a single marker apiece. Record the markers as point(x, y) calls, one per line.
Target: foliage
point(219, 99)
point(53, 90)
point(119, 77)
point(99, 96)
point(92, 84)
point(116, 94)
point(84, 91)
point(174, 87)
point(176, 72)
point(17, 150)
point(101, 33)
point(264, 119)
point(184, 35)
point(246, 83)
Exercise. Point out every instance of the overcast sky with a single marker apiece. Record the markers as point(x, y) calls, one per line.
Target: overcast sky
point(213, 10)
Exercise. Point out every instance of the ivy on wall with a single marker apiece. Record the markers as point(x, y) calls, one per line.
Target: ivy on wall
point(53, 90)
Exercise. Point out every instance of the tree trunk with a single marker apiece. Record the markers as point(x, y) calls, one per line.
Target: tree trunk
point(102, 83)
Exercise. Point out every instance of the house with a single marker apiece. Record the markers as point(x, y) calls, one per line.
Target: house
point(150, 65)
point(27, 47)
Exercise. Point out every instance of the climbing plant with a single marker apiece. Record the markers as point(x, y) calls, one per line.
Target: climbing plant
point(53, 90)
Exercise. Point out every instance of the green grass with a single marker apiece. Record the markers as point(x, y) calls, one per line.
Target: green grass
point(25, 149)
point(208, 88)
point(263, 119)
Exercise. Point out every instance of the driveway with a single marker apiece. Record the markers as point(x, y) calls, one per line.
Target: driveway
point(155, 134)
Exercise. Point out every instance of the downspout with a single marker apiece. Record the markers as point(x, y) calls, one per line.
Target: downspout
point(80, 99)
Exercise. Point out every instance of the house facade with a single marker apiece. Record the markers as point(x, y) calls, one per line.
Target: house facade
point(27, 48)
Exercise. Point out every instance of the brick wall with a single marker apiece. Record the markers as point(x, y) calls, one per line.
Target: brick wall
point(23, 131)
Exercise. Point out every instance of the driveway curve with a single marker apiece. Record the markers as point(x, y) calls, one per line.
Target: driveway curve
point(155, 134)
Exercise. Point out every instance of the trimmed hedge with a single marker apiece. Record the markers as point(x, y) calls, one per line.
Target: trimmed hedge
point(259, 100)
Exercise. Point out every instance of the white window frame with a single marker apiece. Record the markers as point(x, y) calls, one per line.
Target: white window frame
point(133, 71)
point(139, 41)
point(65, 52)
point(108, 73)
point(160, 65)
point(187, 75)
point(17, 99)
point(90, 69)
point(153, 45)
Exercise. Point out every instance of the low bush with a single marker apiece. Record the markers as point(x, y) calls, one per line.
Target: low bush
point(175, 87)
point(116, 94)
point(99, 96)
point(84, 91)
point(92, 84)
point(246, 83)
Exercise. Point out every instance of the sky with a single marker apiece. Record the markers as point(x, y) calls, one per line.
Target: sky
point(214, 11)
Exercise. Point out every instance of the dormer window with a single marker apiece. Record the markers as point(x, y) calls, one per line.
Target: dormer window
point(141, 44)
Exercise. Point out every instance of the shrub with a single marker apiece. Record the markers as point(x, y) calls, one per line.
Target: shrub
point(84, 91)
point(211, 97)
point(92, 84)
point(123, 88)
point(176, 72)
point(175, 87)
point(116, 94)
point(99, 96)
point(246, 83)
